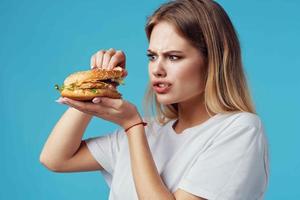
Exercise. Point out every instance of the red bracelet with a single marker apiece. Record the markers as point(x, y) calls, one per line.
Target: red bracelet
point(143, 123)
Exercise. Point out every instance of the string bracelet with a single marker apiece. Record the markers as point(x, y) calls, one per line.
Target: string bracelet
point(143, 123)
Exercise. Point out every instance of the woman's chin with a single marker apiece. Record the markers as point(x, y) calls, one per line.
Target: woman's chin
point(165, 101)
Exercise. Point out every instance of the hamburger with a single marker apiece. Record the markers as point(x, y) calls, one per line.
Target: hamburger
point(86, 85)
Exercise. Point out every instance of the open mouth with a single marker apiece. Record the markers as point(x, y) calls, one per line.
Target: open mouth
point(161, 87)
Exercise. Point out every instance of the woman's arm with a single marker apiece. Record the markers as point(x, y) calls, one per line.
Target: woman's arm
point(64, 150)
point(148, 182)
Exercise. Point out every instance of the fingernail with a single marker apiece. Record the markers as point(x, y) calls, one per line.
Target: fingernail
point(96, 100)
point(118, 68)
point(59, 100)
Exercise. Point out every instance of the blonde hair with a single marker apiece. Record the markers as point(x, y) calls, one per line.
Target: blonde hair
point(206, 25)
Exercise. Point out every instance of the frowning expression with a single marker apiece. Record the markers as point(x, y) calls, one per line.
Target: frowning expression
point(176, 68)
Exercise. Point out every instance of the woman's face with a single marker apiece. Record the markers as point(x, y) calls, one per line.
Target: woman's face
point(176, 68)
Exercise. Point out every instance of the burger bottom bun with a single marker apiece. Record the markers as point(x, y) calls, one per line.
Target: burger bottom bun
point(87, 94)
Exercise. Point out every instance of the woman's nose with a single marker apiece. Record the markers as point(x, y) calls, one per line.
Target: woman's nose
point(158, 70)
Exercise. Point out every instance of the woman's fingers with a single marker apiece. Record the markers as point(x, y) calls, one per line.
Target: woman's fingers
point(112, 103)
point(82, 106)
point(108, 59)
point(90, 108)
point(118, 111)
point(93, 62)
point(118, 59)
point(99, 58)
point(96, 100)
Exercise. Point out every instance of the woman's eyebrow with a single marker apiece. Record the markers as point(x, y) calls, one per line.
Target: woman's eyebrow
point(166, 52)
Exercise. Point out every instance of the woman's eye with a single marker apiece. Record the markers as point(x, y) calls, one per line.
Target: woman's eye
point(151, 57)
point(173, 57)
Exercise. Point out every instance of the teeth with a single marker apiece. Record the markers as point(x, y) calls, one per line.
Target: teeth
point(161, 85)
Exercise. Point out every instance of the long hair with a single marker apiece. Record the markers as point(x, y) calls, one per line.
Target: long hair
point(206, 25)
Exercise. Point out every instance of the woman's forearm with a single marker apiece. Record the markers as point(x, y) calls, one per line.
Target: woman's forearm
point(65, 138)
point(148, 182)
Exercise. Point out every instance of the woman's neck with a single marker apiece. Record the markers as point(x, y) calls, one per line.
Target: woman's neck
point(191, 113)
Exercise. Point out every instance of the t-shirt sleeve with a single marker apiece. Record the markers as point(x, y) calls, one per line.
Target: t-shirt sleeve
point(235, 166)
point(105, 150)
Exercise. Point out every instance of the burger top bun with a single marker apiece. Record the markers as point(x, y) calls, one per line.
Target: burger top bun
point(97, 73)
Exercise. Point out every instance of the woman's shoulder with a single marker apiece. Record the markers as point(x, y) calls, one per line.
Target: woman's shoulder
point(242, 127)
point(243, 119)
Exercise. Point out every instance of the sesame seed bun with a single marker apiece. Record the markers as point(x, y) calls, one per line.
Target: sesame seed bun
point(94, 74)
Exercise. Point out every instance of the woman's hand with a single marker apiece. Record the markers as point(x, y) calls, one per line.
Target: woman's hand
point(118, 111)
point(109, 59)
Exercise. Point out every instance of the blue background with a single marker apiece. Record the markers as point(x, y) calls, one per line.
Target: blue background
point(42, 41)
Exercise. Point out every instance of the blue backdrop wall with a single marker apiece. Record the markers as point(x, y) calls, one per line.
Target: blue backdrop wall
point(42, 41)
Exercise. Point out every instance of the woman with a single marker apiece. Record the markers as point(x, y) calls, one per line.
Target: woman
point(206, 142)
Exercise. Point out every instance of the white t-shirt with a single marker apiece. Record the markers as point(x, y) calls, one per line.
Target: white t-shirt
point(226, 157)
